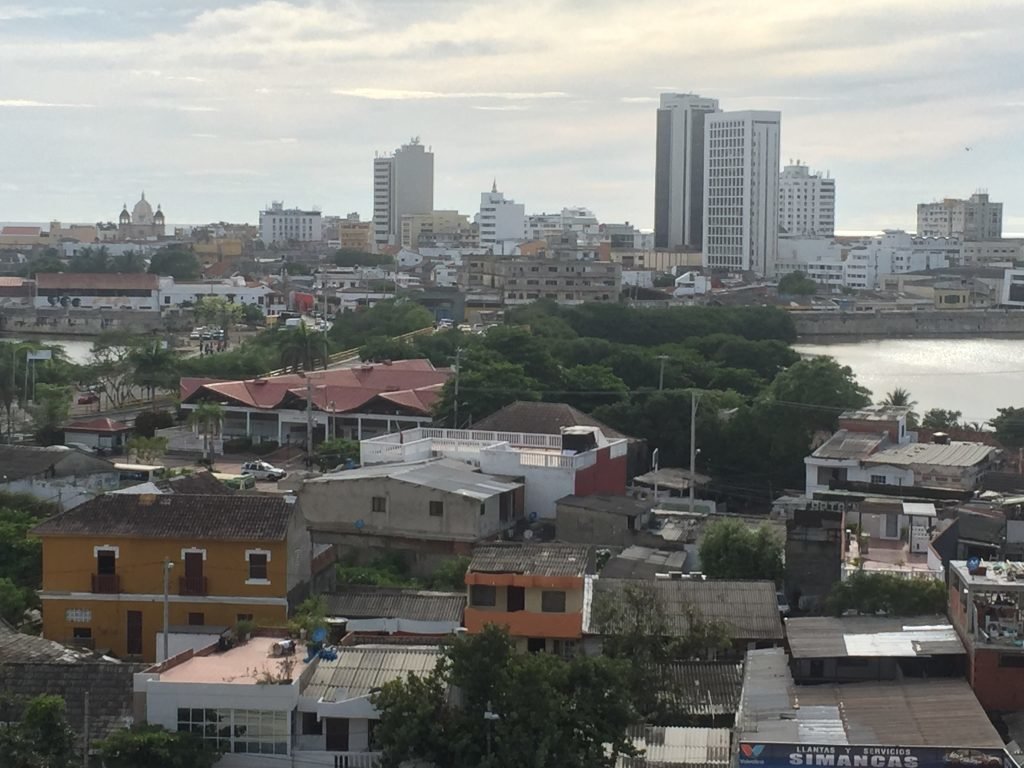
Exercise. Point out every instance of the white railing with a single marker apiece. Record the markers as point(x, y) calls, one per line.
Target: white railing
point(333, 759)
point(618, 449)
point(516, 439)
point(373, 452)
point(890, 570)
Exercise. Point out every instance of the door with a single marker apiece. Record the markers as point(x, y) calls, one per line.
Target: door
point(516, 599)
point(336, 732)
point(194, 574)
point(134, 633)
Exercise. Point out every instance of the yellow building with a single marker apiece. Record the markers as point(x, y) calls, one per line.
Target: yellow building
point(356, 236)
point(417, 225)
point(230, 558)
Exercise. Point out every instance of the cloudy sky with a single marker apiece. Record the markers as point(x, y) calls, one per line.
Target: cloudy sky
point(216, 108)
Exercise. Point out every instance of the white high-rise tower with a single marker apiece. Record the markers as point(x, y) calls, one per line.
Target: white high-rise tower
point(403, 184)
point(807, 202)
point(741, 194)
point(502, 222)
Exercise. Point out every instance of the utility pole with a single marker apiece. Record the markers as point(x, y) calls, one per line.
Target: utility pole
point(309, 419)
point(167, 605)
point(458, 358)
point(661, 372)
point(85, 732)
point(694, 398)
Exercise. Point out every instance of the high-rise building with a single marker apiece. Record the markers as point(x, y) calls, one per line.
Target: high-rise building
point(679, 170)
point(741, 193)
point(807, 202)
point(502, 222)
point(403, 184)
point(973, 219)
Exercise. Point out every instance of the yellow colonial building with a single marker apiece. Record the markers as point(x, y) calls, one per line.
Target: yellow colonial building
point(227, 558)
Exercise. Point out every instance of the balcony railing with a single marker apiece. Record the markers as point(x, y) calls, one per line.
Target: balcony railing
point(106, 583)
point(192, 585)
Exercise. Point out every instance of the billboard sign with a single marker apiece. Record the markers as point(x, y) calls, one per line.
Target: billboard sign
point(754, 755)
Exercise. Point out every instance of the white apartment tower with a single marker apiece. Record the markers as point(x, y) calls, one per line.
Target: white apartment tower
point(741, 194)
point(679, 170)
point(975, 219)
point(403, 184)
point(281, 225)
point(807, 202)
point(502, 222)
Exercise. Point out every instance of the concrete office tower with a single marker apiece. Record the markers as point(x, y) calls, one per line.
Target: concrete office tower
point(741, 193)
point(502, 222)
point(403, 184)
point(679, 170)
point(974, 219)
point(807, 202)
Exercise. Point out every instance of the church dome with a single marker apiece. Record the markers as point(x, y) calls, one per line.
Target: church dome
point(142, 213)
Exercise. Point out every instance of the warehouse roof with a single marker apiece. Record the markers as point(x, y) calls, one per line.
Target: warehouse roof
point(669, 747)
point(359, 669)
point(911, 712)
point(953, 454)
point(862, 636)
point(359, 602)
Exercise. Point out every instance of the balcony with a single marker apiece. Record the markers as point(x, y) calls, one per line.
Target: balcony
point(106, 583)
point(192, 585)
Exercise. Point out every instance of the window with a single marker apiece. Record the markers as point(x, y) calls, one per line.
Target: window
point(81, 633)
point(311, 724)
point(239, 730)
point(258, 571)
point(483, 595)
point(552, 601)
point(106, 562)
point(378, 504)
point(196, 619)
point(437, 509)
point(78, 615)
point(243, 617)
point(878, 479)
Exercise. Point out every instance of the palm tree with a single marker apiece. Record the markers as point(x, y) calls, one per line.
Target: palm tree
point(902, 397)
point(208, 418)
point(299, 350)
point(154, 368)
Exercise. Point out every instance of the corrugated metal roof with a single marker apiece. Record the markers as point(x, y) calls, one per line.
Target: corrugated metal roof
point(442, 475)
point(911, 712)
point(703, 687)
point(863, 636)
point(361, 668)
point(850, 445)
point(934, 454)
point(638, 562)
point(748, 609)
point(669, 747)
point(534, 559)
point(360, 602)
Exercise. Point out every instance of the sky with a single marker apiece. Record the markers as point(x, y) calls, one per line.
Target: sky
point(216, 108)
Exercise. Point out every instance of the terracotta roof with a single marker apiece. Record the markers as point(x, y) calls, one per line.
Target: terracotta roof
point(11, 282)
point(21, 231)
point(541, 419)
point(239, 517)
point(99, 424)
point(68, 280)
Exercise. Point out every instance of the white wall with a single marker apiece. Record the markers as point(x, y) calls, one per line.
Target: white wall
point(174, 294)
point(68, 492)
point(544, 485)
point(408, 626)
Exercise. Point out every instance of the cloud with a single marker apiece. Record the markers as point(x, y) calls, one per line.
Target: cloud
point(33, 104)
point(501, 107)
point(204, 135)
point(639, 99)
point(194, 108)
point(23, 13)
point(394, 94)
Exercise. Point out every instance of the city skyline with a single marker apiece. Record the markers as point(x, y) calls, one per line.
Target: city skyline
point(219, 107)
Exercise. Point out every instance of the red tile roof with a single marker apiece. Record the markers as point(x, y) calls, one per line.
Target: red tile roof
point(21, 231)
point(99, 424)
point(11, 282)
point(411, 384)
point(67, 280)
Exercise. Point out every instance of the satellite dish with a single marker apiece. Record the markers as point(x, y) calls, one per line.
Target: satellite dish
point(319, 635)
point(533, 517)
point(527, 534)
point(359, 525)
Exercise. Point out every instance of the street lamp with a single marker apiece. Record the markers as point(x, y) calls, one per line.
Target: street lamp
point(333, 416)
point(490, 717)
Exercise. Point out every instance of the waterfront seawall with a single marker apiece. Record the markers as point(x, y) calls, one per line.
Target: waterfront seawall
point(930, 324)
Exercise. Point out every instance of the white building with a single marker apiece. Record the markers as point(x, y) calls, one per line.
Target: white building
point(679, 170)
point(281, 225)
point(234, 289)
point(821, 259)
point(403, 184)
point(741, 199)
point(974, 219)
point(1013, 288)
point(541, 226)
point(982, 252)
point(502, 222)
point(807, 202)
point(895, 252)
point(639, 278)
point(691, 284)
point(57, 474)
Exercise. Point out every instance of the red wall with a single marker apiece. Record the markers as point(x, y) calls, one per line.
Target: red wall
point(606, 476)
point(999, 688)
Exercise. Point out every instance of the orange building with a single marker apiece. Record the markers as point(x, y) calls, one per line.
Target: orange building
point(231, 557)
point(534, 590)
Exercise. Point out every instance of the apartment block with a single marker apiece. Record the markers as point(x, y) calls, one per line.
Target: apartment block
point(976, 218)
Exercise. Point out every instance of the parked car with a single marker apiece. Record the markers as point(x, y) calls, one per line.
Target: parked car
point(783, 602)
point(196, 334)
point(88, 398)
point(263, 470)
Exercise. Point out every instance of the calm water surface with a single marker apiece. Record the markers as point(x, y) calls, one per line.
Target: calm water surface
point(77, 348)
point(974, 376)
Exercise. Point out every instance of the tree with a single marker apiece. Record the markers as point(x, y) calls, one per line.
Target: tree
point(589, 386)
point(41, 739)
point(154, 367)
point(147, 449)
point(110, 369)
point(941, 420)
point(450, 575)
point(797, 284)
point(1009, 426)
point(302, 349)
point(731, 550)
point(144, 746)
point(348, 257)
point(13, 602)
point(208, 418)
point(872, 593)
point(332, 453)
point(217, 311)
point(8, 382)
point(128, 261)
point(253, 315)
point(545, 710)
point(901, 397)
point(175, 262)
point(50, 412)
point(148, 422)
point(484, 387)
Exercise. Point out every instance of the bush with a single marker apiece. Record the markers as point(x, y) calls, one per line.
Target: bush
point(871, 593)
point(148, 422)
point(237, 445)
point(264, 448)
